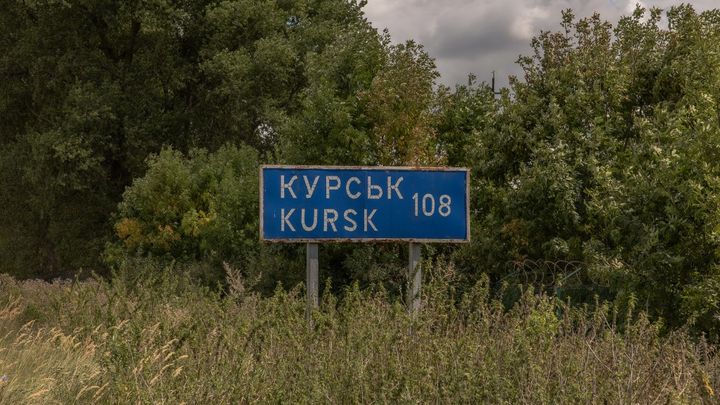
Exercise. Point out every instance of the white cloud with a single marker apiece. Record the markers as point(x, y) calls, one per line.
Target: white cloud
point(525, 25)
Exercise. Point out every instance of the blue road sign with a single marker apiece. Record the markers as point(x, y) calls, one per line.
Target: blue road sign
point(364, 204)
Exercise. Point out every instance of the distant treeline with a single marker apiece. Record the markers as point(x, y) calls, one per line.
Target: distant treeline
point(133, 130)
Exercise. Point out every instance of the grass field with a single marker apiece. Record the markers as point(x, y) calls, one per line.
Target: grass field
point(163, 339)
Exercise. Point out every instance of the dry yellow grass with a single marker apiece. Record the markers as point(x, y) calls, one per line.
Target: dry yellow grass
point(162, 339)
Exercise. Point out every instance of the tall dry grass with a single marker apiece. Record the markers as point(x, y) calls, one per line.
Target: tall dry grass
point(161, 339)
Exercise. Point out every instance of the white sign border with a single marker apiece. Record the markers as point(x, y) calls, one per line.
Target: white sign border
point(379, 168)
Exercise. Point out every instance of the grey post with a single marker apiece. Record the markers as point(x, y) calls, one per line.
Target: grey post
point(311, 284)
point(414, 278)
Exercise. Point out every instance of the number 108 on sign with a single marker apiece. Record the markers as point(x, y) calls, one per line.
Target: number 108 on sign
point(328, 203)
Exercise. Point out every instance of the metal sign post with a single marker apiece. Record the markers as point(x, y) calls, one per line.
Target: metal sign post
point(312, 283)
point(414, 278)
point(312, 204)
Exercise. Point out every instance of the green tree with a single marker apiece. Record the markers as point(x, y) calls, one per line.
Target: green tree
point(89, 89)
point(196, 209)
point(399, 104)
point(605, 158)
point(367, 103)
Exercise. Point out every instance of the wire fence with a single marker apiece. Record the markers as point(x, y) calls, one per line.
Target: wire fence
point(553, 276)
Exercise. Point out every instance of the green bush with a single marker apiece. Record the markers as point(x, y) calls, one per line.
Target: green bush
point(202, 208)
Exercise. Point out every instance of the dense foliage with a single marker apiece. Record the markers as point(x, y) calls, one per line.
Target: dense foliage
point(133, 130)
point(602, 166)
point(89, 89)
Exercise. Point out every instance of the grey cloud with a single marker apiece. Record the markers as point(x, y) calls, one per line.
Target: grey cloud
point(456, 71)
point(475, 36)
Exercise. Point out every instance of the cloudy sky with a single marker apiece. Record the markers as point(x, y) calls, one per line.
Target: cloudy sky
point(479, 36)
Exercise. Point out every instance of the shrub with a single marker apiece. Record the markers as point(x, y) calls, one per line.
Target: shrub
point(198, 208)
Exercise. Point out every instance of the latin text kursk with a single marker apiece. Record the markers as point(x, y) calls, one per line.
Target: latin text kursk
point(354, 188)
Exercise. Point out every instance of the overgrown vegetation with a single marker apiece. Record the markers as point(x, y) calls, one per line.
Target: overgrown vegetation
point(130, 137)
point(160, 338)
point(607, 156)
